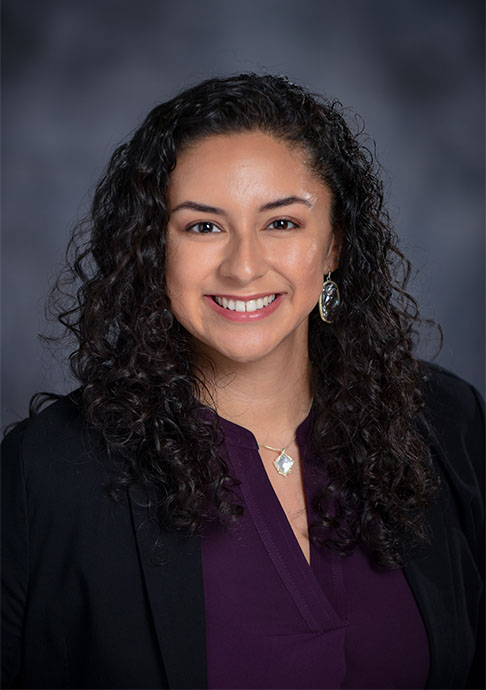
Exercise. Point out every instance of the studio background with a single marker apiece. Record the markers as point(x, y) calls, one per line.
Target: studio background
point(79, 76)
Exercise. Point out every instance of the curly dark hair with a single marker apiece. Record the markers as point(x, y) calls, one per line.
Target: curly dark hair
point(140, 385)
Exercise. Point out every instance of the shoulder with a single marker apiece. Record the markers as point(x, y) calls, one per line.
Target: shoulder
point(454, 411)
point(58, 430)
point(449, 395)
point(54, 448)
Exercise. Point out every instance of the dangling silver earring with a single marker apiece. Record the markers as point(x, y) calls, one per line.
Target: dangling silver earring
point(329, 299)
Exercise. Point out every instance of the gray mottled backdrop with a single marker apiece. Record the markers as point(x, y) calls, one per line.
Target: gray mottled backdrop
point(79, 75)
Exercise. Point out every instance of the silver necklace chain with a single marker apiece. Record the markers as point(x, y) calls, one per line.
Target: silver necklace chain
point(283, 463)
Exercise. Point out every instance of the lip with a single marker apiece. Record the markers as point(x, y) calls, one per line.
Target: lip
point(244, 298)
point(243, 316)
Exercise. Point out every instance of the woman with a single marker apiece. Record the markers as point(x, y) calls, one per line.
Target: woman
point(257, 485)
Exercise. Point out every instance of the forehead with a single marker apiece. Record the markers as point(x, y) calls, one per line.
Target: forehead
point(243, 164)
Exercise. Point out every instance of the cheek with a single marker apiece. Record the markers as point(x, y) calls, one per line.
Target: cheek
point(180, 267)
point(185, 275)
point(188, 263)
point(171, 262)
point(176, 278)
point(307, 265)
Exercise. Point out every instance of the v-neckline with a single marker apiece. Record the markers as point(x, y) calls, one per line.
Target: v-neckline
point(241, 436)
point(298, 575)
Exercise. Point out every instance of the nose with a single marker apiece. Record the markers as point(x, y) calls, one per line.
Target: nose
point(244, 259)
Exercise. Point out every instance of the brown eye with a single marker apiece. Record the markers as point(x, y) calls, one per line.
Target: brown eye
point(203, 228)
point(282, 224)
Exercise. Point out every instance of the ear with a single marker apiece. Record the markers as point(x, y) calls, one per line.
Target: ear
point(331, 260)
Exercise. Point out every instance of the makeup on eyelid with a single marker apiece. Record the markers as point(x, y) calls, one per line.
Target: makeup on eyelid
point(217, 230)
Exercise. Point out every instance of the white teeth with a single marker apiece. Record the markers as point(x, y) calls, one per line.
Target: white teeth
point(241, 306)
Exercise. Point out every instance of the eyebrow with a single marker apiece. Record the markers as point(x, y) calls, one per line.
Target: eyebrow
point(269, 206)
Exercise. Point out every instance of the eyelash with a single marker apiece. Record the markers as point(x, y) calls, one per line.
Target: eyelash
point(202, 222)
point(206, 222)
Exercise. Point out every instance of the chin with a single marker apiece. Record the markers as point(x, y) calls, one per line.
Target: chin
point(245, 357)
point(245, 353)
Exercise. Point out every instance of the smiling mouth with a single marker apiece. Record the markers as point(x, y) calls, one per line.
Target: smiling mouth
point(245, 305)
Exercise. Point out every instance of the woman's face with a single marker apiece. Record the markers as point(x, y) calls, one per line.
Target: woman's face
point(249, 240)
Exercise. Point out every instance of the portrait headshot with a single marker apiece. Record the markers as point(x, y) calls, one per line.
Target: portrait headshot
point(243, 345)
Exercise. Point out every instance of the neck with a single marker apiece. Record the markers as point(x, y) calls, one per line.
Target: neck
point(270, 397)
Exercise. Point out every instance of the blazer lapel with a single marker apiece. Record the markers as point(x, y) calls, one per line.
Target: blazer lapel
point(173, 578)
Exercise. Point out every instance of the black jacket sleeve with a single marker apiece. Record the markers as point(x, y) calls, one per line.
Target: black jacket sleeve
point(477, 678)
point(15, 556)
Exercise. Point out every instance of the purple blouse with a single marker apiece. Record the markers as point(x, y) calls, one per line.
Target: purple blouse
point(273, 621)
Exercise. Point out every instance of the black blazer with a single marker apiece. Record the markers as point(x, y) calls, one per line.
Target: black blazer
point(87, 607)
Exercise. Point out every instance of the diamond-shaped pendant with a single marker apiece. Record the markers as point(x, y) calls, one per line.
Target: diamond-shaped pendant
point(283, 464)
